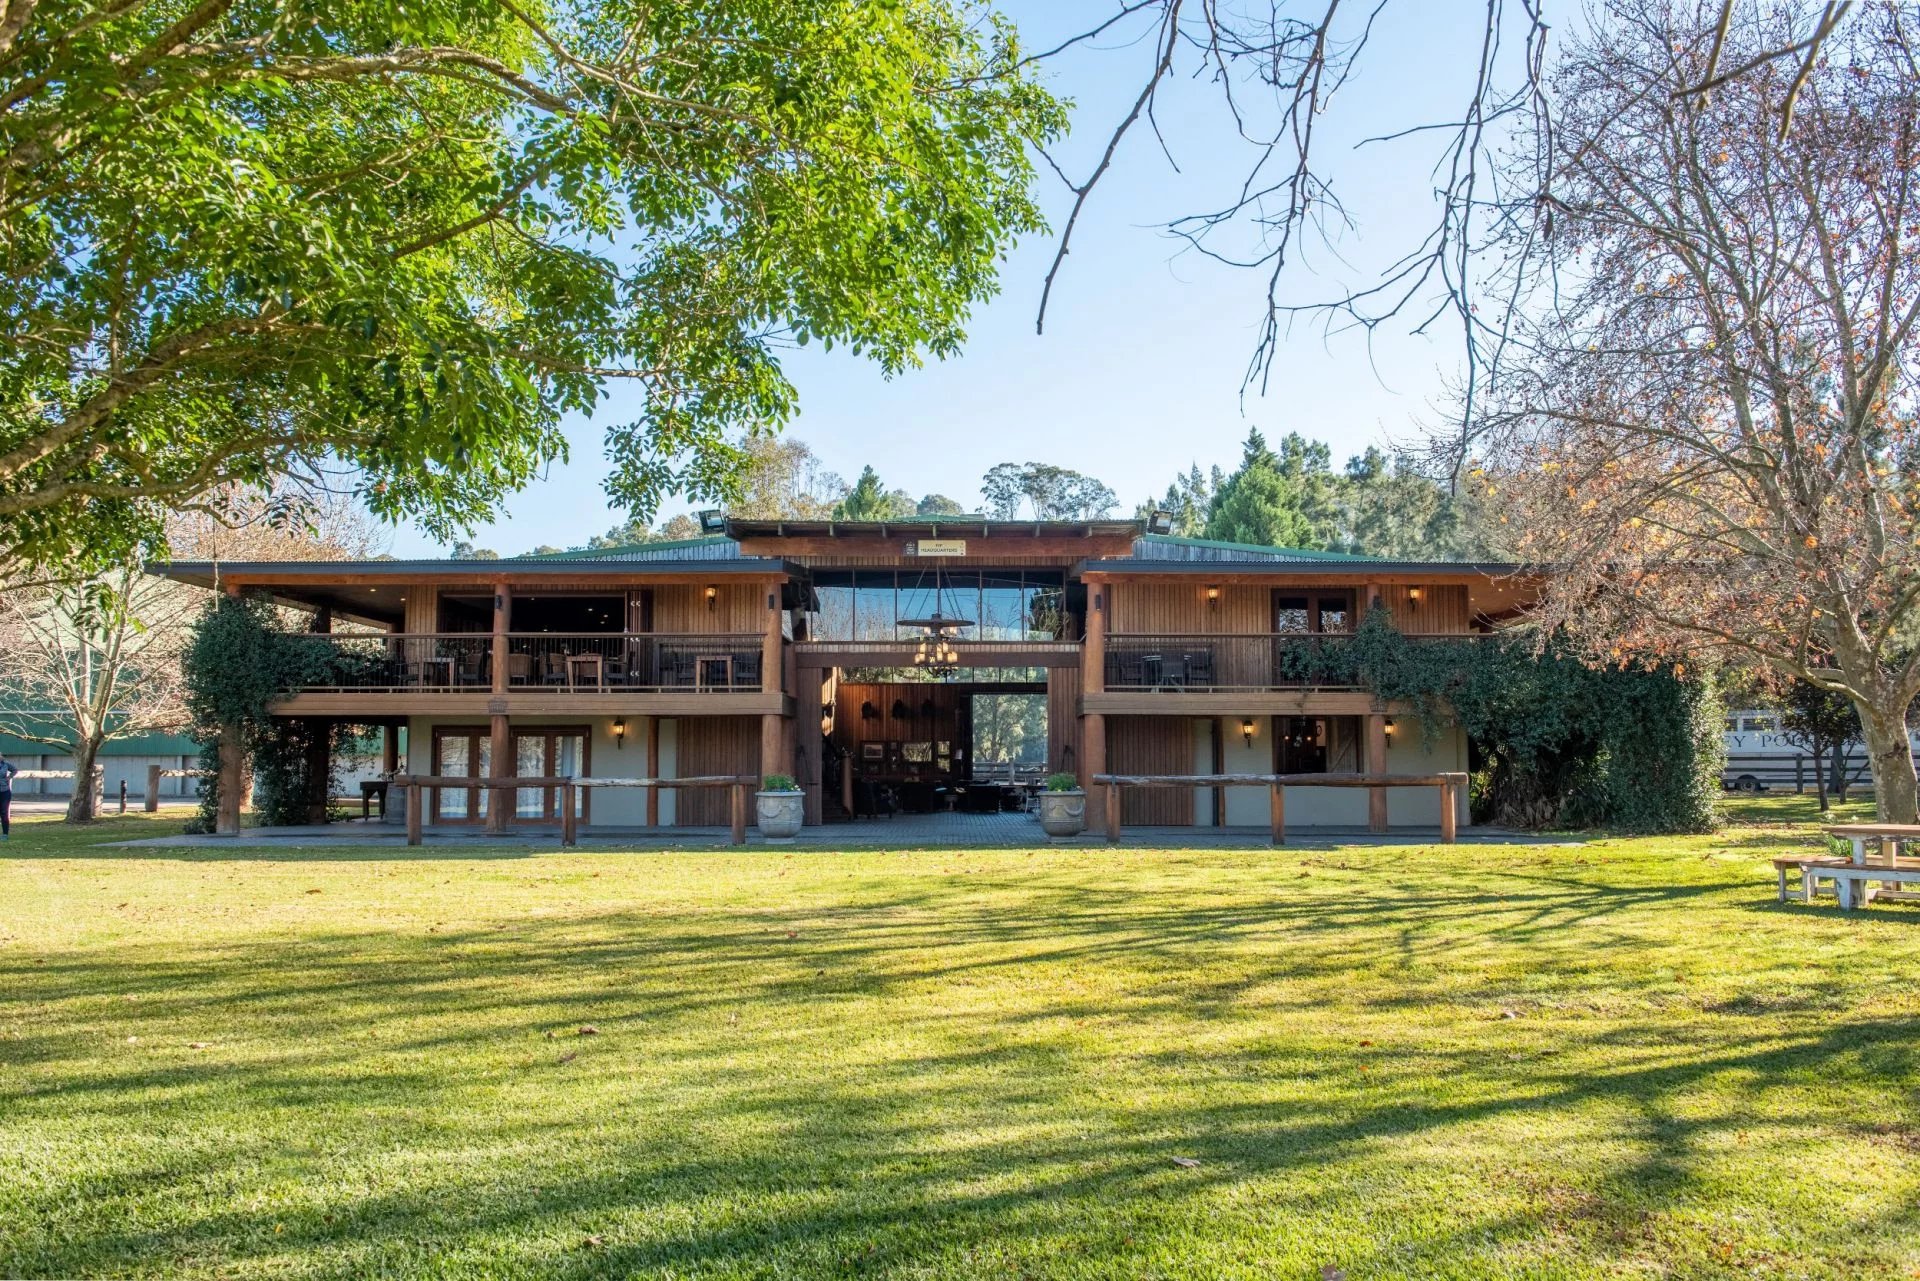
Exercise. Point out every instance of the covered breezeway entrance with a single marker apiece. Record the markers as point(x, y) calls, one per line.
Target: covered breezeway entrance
point(881, 742)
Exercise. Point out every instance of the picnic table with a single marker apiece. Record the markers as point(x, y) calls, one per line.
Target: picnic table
point(1853, 878)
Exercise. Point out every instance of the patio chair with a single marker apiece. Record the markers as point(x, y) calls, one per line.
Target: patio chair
point(1200, 668)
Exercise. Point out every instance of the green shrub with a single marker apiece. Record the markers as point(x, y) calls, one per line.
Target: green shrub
point(1063, 783)
point(779, 783)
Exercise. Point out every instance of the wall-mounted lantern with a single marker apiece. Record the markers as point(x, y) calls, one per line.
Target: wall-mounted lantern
point(713, 598)
point(1246, 730)
point(1213, 596)
point(619, 732)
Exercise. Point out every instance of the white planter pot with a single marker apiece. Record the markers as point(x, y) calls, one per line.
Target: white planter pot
point(1063, 813)
point(780, 814)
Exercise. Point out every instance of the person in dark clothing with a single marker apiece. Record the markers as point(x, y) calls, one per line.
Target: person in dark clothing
point(7, 770)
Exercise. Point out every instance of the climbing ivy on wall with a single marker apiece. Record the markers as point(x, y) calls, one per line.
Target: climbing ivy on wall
point(1557, 741)
point(239, 662)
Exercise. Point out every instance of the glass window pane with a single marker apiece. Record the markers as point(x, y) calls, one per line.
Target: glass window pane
point(917, 599)
point(834, 618)
point(454, 762)
point(1335, 614)
point(1003, 608)
point(873, 605)
point(530, 761)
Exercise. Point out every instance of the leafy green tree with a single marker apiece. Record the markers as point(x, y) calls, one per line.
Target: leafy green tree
point(1187, 500)
point(464, 550)
point(781, 478)
point(1823, 722)
point(938, 505)
point(869, 500)
point(1276, 499)
point(244, 242)
point(1046, 491)
point(1392, 507)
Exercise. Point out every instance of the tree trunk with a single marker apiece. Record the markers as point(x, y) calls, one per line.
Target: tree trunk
point(80, 808)
point(1820, 773)
point(1839, 767)
point(1896, 792)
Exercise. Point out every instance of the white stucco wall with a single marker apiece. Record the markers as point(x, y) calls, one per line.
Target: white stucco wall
point(1407, 753)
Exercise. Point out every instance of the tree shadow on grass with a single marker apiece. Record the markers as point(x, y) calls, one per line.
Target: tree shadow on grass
point(863, 1115)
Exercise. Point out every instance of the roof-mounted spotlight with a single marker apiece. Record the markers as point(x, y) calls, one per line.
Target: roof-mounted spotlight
point(712, 521)
point(1159, 522)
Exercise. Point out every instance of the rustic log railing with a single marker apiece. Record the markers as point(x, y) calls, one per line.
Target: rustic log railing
point(413, 784)
point(155, 774)
point(1277, 784)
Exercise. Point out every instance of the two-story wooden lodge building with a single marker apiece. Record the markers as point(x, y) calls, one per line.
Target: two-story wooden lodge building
point(803, 648)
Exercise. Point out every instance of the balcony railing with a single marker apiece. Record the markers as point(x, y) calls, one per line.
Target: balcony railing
point(1276, 661)
point(586, 662)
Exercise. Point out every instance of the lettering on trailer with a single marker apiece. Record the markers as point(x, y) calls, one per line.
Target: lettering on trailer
point(938, 547)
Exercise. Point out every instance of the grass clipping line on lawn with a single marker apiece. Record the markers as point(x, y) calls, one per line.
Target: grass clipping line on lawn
point(1617, 1058)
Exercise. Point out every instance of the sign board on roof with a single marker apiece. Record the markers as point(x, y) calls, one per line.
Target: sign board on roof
point(938, 547)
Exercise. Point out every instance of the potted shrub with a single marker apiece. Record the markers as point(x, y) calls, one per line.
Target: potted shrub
point(780, 807)
point(1063, 806)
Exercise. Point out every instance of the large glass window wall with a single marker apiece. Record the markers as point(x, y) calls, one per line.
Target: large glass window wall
point(1003, 605)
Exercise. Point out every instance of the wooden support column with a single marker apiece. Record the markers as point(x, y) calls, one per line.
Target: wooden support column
point(500, 765)
point(1093, 680)
point(390, 748)
point(773, 741)
point(772, 661)
point(1277, 812)
point(232, 780)
point(809, 688)
point(1093, 746)
point(1449, 817)
point(416, 822)
point(737, 813)
point(653, 768)
point(502, 620)
point(152, 803)
point(1376, 764)
point(319, 765)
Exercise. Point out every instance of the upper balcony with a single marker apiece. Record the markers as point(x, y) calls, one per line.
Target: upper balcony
point(545, 671)
point(1290, 671)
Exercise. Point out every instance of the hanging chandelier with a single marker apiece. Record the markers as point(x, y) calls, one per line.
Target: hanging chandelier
point(936, 653)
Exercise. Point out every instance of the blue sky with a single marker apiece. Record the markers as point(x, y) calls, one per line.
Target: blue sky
point(1139, 372)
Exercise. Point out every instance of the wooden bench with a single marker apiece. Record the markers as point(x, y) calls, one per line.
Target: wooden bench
point(1852, 882)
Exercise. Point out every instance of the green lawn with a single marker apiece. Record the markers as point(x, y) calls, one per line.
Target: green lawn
point(1618, 1058)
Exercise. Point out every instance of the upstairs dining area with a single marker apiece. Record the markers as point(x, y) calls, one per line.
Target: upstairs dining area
point(685, 638)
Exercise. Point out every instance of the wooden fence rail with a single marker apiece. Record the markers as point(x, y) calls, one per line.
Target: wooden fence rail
point(569, 812)
point(155, 774)
point(1450, 785)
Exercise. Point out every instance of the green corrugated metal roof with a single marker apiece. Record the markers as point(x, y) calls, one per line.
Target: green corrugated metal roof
point(1288, 553)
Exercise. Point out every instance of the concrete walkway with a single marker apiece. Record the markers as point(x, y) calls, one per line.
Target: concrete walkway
point(960, 831)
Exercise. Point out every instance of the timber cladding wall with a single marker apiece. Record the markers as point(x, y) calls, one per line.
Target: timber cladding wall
point(712, 745)
point(1063, 721)
point(930, 712)
point(1439, 607)
point(1152, 745)
point(1182, 608)
point(682, 607)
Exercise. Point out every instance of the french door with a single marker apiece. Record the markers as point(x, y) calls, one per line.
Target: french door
point(459, 752)
point(464, 752)
point(548, 753)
